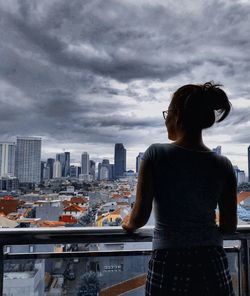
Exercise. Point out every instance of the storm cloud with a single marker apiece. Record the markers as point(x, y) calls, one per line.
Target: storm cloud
point(92, 73)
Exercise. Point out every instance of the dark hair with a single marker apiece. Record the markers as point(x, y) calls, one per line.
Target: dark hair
point(199, 106)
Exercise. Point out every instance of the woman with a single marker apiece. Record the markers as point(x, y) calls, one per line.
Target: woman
point(187, 181)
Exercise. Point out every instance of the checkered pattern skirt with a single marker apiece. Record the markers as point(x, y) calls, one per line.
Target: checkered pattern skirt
point(198, 271)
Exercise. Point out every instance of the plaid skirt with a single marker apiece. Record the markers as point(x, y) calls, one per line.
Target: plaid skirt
point(197, 271)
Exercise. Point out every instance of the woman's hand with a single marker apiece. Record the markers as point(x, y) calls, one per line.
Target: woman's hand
point(126, 225)
point(143, 203)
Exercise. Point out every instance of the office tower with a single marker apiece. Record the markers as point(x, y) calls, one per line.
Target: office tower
point(74, 171)
point(57, 169)
point(120, 160)
point(50, 165)
point(64, 159)
point(85, 163)
point(248, 159)
point(92, 169)
point(67, 164)
point(217, 150)
point(28, 159)
point(105, 170)
point(7, 159)
point(138, 161)
point(43, 167)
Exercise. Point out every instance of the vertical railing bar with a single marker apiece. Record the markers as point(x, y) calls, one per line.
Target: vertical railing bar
point(239, 273)
point(1, 269)
point(247, 267)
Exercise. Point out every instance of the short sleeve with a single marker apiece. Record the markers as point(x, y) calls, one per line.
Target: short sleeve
point(149, 153)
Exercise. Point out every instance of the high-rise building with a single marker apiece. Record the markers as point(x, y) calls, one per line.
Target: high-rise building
point(64, 159)
point(92, 169)
point(57, 169)
point(74, 171)
point(85, 163)
point(105, 170)
point(50, 165)
point(248, 159)
point(28, 159)
point(120, 160)
point(7, 159)
point(43, 167)
point(138, 161)
point(217, 150)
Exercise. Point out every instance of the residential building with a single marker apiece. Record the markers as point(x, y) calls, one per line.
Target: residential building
point(8, 204)
point(28, 159)
point(120, 160)
point(75, 211)
point(7, 159)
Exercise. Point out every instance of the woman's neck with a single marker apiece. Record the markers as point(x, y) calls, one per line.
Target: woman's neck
point(192, 141)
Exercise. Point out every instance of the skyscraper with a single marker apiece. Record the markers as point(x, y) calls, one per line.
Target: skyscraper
point(120, 160)
point(57, 169)
point(50, 165)
point(138, 161)
point(85, 163)
point(92, 169)
point(64, 159)
point(28, 159)
point(248, 159)
point(7, 159)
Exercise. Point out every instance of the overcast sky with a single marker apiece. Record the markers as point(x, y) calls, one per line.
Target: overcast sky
point(84, 75)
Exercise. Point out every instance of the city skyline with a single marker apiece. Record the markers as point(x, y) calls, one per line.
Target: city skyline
point(87, 75)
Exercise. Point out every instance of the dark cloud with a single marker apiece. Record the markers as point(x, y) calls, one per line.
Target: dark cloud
point(79, 71)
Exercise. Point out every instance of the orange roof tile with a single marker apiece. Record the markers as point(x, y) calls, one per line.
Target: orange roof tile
point(242, 196)
point(74, 208)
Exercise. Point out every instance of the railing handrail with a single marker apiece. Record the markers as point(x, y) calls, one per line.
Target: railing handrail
point(25, 236)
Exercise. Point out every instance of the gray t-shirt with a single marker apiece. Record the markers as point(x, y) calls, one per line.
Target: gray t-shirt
point(188, 185)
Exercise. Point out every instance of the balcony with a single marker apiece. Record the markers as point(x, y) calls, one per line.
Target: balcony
point(93, 261)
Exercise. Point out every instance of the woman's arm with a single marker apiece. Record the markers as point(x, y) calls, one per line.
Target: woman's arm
point(228, 206)
point(144, 197)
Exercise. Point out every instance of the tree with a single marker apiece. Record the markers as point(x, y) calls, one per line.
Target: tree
point(90, 285)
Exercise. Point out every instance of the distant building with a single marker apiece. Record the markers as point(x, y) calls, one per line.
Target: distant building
point(74, 172)
point(28, 159)
point(105, 170)
point(48, 210)
point(120, 160)
point(64, 159)
point(217, 150)
point(240, 175)
point(9, 183)
point(7, 159)
point(85, 178)
point(43, 168)
point(57, 169)
point(92, 169)
point(50, 165)
point(138, 161)
point(75, 211)
point(85, 163)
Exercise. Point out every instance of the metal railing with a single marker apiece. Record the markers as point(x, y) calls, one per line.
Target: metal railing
point(32, 236)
